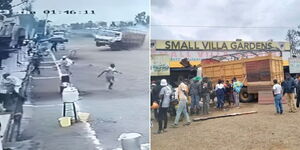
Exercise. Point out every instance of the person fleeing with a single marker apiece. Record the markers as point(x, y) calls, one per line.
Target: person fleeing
point(182, 93)
point(288, 91)
point(277, 92)
point(110, 78)
point(65, 64)
point(165, 98)
point(54, 46)
point(36, 61)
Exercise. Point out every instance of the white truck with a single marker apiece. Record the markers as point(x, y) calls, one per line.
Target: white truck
point(58, 36)
point(119, 39)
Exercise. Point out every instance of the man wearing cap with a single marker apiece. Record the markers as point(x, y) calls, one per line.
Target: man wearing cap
point(182, 93)
point(110, 78)
point(65, 63)
point(164, 95)
point(195, 95)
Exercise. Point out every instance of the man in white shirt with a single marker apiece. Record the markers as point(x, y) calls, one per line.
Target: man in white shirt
point(182, 93)
point(277, 92)
point(110, 78)
point(65, 63)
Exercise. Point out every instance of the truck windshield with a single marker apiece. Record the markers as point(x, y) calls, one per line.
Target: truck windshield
point(108, 33)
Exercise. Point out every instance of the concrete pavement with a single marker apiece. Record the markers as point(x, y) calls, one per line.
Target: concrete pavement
point(124, 109)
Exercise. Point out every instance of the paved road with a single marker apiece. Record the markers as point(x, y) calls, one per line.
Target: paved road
point(123, 109)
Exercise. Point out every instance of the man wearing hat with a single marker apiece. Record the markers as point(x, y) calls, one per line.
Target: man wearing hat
point(165, 98)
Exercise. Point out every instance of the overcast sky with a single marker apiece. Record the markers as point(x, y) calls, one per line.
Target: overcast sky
point(237, 13)
point(106, 10)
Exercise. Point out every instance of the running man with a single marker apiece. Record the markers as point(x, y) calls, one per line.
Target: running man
point(110, 75)
point(65, 64)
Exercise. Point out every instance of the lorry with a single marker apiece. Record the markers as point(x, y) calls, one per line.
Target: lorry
point(256, 73)
point(119, 39)
point(58, 36)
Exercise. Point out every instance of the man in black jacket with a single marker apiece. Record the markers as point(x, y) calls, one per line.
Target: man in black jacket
point(155, 96)
point(289, 92)
point(206, 89)
point(298, 91)
point(195, 95)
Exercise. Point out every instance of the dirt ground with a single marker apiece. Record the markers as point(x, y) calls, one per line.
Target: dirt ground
point(261, 131)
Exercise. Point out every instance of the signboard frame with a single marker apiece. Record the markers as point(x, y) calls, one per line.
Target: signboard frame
point(294, 65)
point(160, 65)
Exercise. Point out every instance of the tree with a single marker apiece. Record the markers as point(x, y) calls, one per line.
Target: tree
point(113, 24)
point(102, 24)
point(89, 24)
point(123, 24)
point(293, 36)
point(142, 18)
point(130, 23)
point(6, 5)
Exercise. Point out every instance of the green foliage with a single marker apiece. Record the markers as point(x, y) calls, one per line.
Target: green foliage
point(6, 5)
point(293, 36)
point(142, 18)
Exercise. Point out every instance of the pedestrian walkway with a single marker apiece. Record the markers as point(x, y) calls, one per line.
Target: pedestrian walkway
point(14, 67)
point(40, 123)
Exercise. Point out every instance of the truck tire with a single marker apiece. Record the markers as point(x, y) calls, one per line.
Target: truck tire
point(98, 44)
point(245, 96)
point(116, 46)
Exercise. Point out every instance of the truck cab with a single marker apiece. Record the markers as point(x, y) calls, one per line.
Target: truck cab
point(107, 37)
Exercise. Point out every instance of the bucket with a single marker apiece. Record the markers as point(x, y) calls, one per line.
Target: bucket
point(130, 141)
point(145, 146)
point(84, 117)
point(65, 121)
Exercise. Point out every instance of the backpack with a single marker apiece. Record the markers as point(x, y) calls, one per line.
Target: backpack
point(169, 93)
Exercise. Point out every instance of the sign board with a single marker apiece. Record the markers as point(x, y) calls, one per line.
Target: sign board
point(294, 64)
point(194, 57)
point(220, 45)
point(160, 65)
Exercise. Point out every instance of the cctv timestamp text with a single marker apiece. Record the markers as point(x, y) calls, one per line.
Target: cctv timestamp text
point(59, 12)
point(69, 12)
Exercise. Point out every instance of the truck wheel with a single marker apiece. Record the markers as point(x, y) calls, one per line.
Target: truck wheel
point(116, 46)
point(245, 96)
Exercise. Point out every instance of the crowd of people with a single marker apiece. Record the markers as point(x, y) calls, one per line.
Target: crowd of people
point(290, 89)
point(193, 97)
point(198, 92)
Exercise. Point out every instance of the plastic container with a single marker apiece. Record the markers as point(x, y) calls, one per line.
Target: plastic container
point(70, 94)
point(65, 121)
point(130, 141)
point(84, 117)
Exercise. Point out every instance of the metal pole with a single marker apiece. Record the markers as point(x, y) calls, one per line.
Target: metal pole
point(45, 29)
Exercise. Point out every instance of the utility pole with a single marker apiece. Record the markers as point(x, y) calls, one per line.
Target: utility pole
point(45, 29)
